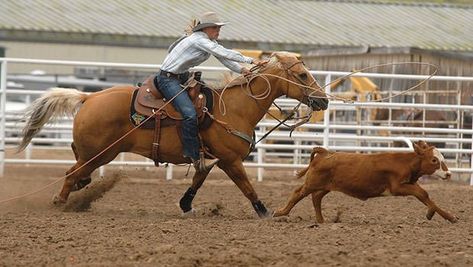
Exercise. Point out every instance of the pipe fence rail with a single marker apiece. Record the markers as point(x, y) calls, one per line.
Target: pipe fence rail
point(278, 150)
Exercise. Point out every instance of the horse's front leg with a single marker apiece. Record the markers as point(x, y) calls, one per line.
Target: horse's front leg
point(186, 201)
point(237, 173)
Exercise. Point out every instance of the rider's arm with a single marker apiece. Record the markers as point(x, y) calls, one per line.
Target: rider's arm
point(230, 64)
point(221, 52)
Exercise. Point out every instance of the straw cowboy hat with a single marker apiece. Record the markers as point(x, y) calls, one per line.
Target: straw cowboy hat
point(208, 19)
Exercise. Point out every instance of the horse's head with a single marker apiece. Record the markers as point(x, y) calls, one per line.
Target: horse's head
point(301, 85)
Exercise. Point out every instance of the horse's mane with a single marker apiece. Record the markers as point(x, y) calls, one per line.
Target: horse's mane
point(229, 80)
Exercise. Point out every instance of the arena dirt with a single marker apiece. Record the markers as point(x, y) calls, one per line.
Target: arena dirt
point(131, 218)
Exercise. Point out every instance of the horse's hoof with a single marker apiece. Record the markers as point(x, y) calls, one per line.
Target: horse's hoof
point(81, 184)
point(58, 201)
point(190, 213)
point(266, 215)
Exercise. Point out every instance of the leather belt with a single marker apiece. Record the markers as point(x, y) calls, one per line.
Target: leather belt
point(173, 75)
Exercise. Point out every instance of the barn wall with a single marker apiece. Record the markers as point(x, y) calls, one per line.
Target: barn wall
point(98, 53)
point(446, 92)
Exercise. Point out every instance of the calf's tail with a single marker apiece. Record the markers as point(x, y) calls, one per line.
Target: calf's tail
point(316, 150)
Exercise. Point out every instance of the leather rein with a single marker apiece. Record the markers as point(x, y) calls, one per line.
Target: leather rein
point(293, 112)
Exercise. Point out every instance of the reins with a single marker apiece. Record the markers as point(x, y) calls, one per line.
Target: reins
point(304, 87)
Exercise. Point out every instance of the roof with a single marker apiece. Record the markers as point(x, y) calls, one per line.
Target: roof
point(317, 23)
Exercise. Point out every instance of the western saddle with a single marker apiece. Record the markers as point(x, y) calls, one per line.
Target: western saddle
point(148, 101)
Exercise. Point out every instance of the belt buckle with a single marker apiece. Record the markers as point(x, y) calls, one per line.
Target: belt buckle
point(168, 74)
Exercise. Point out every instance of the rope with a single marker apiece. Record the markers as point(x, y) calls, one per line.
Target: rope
point(306, 118)
point(93, 158)
point(260, 96)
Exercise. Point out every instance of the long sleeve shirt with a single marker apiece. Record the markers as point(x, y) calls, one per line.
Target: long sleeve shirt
point(191, 51)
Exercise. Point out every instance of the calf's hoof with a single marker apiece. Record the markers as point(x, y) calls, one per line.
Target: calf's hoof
point(453, 219)
point(430, 214)
point(58, 201)
point(278, 213)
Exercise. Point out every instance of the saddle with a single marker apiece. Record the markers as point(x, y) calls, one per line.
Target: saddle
point(148, 101)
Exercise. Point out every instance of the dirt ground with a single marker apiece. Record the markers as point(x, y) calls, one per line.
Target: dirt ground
point(138, 223)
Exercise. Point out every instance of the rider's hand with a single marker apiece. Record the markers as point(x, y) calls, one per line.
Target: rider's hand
point(245, 71)
point(259, 62)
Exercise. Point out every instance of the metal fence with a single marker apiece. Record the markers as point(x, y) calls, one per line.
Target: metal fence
point(343, 127)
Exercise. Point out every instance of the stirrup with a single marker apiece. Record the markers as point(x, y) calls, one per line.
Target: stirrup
point(203, 165)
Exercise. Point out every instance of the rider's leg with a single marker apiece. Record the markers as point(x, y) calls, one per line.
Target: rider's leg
point(170, 87)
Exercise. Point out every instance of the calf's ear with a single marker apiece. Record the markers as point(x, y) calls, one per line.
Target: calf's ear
point(419, 149)
point(422, 144)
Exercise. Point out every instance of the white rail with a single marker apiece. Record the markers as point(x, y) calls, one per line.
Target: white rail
point(326, 131)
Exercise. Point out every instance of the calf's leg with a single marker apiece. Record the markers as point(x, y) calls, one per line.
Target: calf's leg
point(317, 202)
point(423, 196)
point(301, 192)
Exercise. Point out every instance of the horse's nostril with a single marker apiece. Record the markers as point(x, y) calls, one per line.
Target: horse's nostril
point(448, 175)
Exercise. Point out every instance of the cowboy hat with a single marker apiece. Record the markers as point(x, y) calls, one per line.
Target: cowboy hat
point(208, 19)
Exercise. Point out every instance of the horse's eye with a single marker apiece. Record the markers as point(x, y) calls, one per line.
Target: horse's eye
point(303, 76)
point(435, 161)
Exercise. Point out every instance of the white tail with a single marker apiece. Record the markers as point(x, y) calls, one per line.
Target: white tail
point(55, 103)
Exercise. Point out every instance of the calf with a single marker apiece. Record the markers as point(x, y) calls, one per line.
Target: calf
point(365, 176)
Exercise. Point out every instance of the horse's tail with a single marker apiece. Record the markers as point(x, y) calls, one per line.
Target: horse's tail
point(316, 150)
point(55, 103)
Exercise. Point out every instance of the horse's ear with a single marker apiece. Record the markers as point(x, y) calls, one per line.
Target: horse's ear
point(277, 55)
point(274, 58)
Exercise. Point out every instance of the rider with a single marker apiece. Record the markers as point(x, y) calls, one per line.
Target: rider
point(190, 51)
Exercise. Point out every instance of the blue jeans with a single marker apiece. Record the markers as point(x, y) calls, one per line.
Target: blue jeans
point(170, 86)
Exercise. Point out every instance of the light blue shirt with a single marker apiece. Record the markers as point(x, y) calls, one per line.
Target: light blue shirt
point(197, 48)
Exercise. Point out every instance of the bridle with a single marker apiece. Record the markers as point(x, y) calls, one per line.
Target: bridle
point(308, 94)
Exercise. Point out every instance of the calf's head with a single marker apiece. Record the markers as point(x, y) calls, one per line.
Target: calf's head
point(433, 162)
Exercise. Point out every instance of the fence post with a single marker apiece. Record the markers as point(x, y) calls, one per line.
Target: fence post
point(327, 112)
point(471, 155)
point(3, 103)
point(169, 168)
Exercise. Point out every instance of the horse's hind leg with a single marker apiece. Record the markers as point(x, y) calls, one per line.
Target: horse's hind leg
point(73, 175)
point(84, 181)
point(78, 172)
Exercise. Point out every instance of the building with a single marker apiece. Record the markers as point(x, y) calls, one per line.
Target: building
point(330, 34)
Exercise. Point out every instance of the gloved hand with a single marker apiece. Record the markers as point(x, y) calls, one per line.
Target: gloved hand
point(259, 62)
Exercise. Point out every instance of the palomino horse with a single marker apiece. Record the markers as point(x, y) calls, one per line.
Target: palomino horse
point(103, 117)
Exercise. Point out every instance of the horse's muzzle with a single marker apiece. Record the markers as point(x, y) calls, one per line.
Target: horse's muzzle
point(317, 104)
